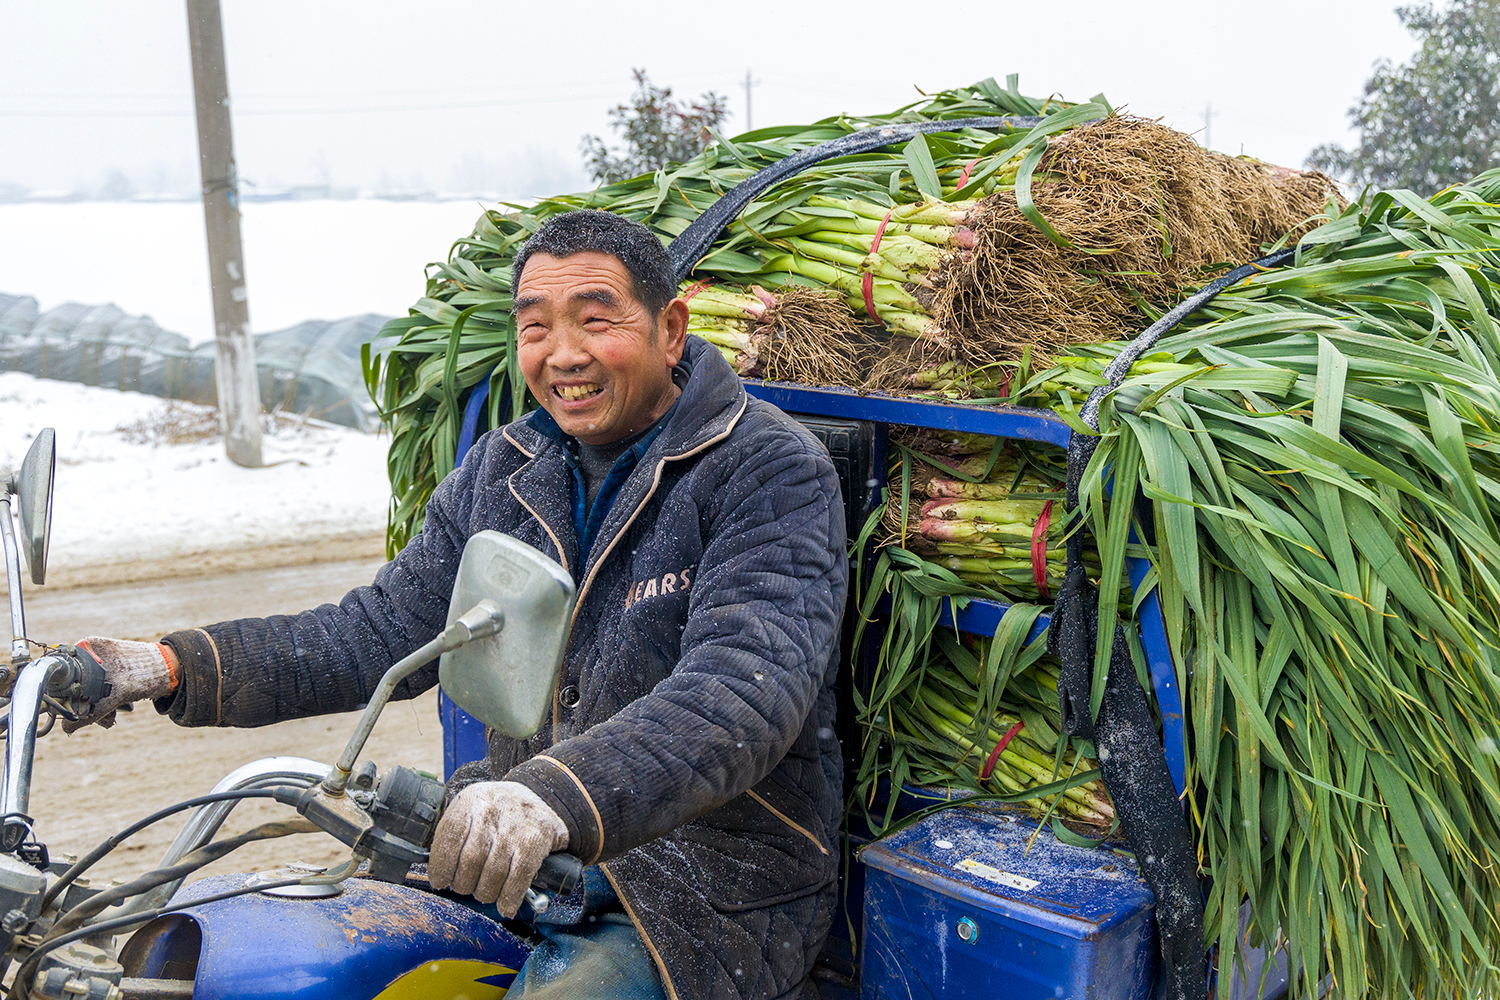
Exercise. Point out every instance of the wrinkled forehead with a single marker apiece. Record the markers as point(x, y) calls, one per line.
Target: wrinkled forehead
point(577, 278)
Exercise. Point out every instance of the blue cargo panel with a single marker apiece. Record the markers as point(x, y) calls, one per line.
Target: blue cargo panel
point(1016, 423)
point(463, 736)
point(966, 903)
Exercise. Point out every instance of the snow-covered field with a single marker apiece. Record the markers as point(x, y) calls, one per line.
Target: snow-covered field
point(303, 259)
point(137, 504)
point(129, 500)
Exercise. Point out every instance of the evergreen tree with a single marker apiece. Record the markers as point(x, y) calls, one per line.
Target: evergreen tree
point(1434, 120)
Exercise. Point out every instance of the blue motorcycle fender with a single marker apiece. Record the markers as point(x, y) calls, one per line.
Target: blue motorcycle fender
point(373, 941)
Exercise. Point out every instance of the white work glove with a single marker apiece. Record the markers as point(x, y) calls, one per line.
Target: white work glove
point(491, 841)
point(135, 670)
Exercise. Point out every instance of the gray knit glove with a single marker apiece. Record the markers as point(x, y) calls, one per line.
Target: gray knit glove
point(135, 671)
point(491, 842)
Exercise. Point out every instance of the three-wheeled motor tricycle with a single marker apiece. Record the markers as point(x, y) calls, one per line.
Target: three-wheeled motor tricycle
point(975, 901)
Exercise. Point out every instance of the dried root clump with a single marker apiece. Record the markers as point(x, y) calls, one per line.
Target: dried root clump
point(1146, 214)
point(809, 336)
point(904, 364)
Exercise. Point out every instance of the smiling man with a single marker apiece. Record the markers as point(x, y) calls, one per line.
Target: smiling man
point(599, 355)
point(690, 759)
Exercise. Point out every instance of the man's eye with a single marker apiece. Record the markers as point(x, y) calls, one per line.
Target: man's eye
point(595, 320)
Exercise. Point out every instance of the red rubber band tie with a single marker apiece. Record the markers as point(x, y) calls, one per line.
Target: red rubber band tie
point(867, 283)
point(687, 296)
point(963, 178)
point(1039, 549)
point(989, 763)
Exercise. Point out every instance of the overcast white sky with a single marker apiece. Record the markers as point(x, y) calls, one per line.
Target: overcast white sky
point(467, 95)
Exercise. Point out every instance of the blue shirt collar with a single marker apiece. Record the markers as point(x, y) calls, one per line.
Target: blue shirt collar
point(588, 518)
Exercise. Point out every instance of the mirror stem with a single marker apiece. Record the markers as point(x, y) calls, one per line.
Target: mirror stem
point(482, 620)
point(18, 652)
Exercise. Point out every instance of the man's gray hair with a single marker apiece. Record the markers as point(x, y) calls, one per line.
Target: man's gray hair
point(588, 230)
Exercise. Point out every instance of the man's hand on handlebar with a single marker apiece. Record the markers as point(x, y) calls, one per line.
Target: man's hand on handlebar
point(134, 671)
point(491, 842)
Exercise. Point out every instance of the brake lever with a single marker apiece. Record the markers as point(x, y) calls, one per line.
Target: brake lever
point(86, 680)
point(58, 710)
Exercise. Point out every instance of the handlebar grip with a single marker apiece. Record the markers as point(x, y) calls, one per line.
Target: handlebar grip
point(93, 682)
point(559, 875)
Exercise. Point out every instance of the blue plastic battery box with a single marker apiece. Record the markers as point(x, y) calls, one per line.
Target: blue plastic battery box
point(976, 902)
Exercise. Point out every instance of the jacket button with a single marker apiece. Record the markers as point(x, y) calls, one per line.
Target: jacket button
point(568, 697)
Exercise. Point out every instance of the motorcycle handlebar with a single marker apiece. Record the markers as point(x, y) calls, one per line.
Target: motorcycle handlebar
point(69, 676)
point(88, 684)
point(559, 875)
point(34, 679)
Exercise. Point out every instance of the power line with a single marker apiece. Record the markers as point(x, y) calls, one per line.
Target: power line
point(183, 95)
point(591, 90)
point(271, 112)
point(186, 112)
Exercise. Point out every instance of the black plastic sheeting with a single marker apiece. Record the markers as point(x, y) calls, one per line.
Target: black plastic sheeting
point(311, 369)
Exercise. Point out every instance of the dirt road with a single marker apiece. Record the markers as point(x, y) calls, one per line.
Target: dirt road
point(91, 784)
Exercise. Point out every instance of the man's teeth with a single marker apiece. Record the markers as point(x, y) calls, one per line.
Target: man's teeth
point(576, 391)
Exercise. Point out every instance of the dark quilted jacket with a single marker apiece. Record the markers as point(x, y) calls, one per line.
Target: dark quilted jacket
point(691, 749)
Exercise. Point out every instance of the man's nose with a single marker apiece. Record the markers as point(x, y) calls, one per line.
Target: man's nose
point(569, 349)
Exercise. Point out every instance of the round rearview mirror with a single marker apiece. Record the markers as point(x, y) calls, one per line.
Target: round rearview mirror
point(34, 500)
point(506, 680)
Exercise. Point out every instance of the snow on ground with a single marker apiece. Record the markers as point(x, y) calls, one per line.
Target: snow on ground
point(303, 259)
point(132, 496)
point(121, 500)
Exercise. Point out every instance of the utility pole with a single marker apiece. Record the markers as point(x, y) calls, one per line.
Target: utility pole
point(750, 83)
point(234, 373)
point(1208, 126)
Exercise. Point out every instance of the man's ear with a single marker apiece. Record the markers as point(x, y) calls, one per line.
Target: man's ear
point(673, 324)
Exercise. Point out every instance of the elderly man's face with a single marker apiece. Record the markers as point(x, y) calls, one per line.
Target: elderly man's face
point(593, 355)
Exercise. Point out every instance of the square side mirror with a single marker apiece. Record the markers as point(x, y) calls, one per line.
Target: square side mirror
point(506, 680)
point(34, 502)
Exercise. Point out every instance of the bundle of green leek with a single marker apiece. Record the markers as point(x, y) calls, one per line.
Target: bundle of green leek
point(932, 247)
point(759, 331)
point(951, 262)
point(1321, 452)
point(982, 508)
point(982, 716)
